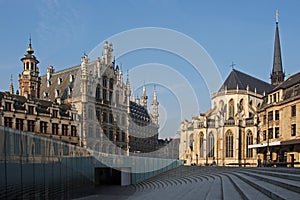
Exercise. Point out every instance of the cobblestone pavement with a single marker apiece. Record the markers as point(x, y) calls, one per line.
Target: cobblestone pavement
point(210, 183)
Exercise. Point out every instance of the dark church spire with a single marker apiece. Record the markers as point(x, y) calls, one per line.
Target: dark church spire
point(277, 75)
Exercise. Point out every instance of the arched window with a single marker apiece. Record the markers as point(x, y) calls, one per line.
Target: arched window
point(201, 147)
point(210, 145)
point(249, 141)
point(98, 92)
point(229, 144)
point(191, 141)
point(231, 109)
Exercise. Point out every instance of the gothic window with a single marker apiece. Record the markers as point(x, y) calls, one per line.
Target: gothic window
point(249, 153)
point(231, 109)
point(229, 144)
point(104, 94)
point(104, 81)
point(191, 141)
point(210, 145)
point(201, 148)
point(98, 92)
point(111, 84)
point(117, 97)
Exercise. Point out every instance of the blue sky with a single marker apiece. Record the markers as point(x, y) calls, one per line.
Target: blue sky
point(230, 31)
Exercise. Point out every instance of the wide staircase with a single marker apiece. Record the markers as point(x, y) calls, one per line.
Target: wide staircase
point(221, 183)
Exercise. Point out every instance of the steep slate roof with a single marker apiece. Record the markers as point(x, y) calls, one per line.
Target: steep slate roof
point(63, 87)
point(242, 80)
point(138, 112)
point(292, 80)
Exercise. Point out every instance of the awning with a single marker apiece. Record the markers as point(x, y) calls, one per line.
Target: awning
point(264, 145)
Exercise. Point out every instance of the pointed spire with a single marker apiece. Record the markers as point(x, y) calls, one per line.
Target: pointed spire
point(144, 96)
point(277, 75)
point(29, 49)
point(11, 87)
point(155, 104)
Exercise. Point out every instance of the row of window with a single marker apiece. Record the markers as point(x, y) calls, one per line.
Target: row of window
point(277, 116)
point(210, 146)
point(8, 122)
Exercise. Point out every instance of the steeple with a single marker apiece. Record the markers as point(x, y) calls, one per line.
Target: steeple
point(144, 97)
point(11, 86)
point(277, 75)
point(154, 104)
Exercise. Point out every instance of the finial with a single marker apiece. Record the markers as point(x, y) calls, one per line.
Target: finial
point(277, 15)
point(232, 65)
point(29, 48)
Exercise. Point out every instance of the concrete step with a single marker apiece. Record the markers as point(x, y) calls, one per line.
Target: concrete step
point(271, 190)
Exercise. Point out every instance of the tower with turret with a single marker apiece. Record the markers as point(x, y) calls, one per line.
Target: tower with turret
point(29, 80)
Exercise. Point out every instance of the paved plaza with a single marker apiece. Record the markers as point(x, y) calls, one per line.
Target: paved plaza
point(210, 183)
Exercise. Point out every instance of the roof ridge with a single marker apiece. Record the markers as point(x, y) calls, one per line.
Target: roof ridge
point(63, 70)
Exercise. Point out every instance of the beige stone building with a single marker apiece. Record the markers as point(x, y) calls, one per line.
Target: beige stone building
point(250, 121)
point(88, 105)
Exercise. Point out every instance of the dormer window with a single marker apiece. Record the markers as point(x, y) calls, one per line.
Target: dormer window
point(30, 110)
point(45, 94)
point(55, 113)
point(59, 81)
point(71, 78)
point(48, 83)
point(8, 106)
point(56, 93)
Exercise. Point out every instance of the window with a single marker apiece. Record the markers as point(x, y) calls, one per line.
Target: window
point(104, 81)
point(110, 95)
point(201, 148)
point(231, 109)
point(64, 129)
point(293, 130)
point(210, 145)
point(294, 111)
point(111, 135)
point(265, 119)
point(104, 94)
point(104, 117)
point(30, 110)
point(276, 114)
point(123, 137)
point(73, 131)
point(55, 113)
point(191, 141)
point(7, 106)
point(270, 116)
point(43, 127)
point(111, 118)
point(264, 135)
point(229, 144)
point(249, 153)
point(30, 125)
point(276, 132)
point(270, 133)
point(98, 92)
point(19, 124)
point(111, 84)
point(54, 128)
point(8, 122)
